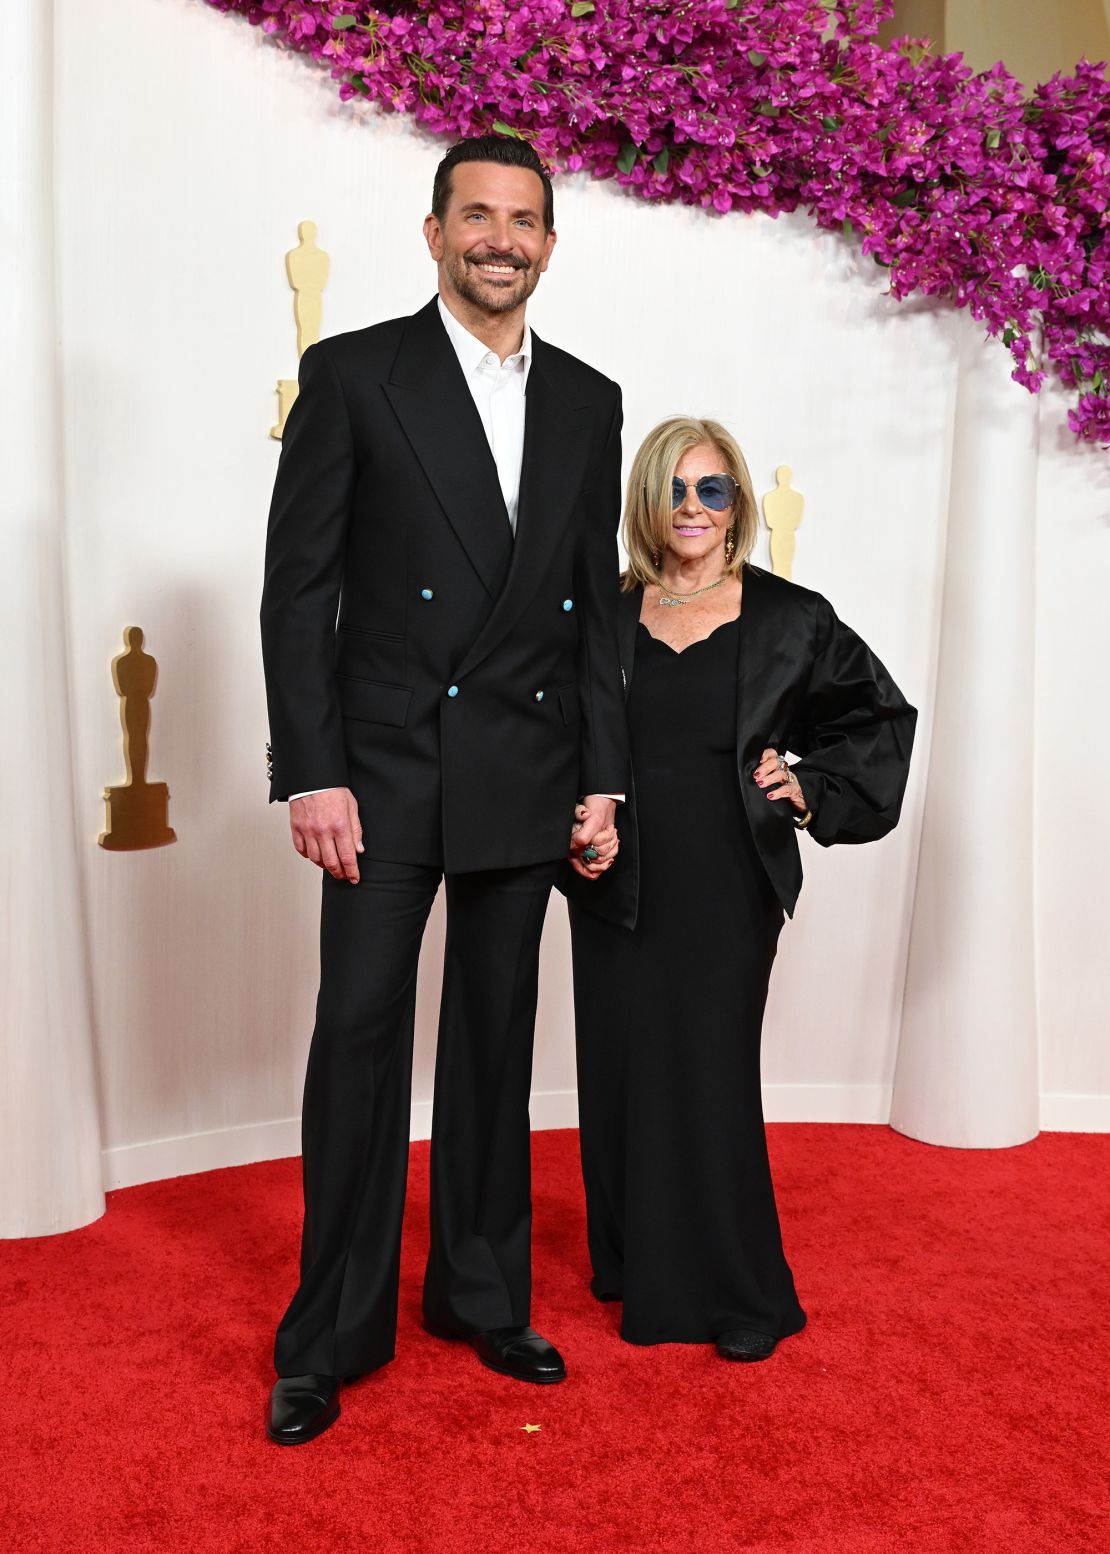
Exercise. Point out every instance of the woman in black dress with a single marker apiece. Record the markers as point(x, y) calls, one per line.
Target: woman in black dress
point(727, 669)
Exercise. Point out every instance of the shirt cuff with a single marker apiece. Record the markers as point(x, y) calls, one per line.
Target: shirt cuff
point(309, 792)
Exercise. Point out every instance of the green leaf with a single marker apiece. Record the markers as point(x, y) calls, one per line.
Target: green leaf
point(662, 161)
point(848, 229)
point(627, 159)
point(994, 139)
point(1098, 381)
point(501, 128)
point(830, 122)
point(582, 7)
point(769, 110)
point(341, 23)
point(1039, 278)
point(905, 197)
point(756, 58)
point(1009, 336)
point(359, 84)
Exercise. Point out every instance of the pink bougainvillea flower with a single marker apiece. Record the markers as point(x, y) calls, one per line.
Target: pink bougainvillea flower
point(961, 185)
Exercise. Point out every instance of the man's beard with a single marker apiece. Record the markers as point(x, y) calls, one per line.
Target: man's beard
point(469, 284)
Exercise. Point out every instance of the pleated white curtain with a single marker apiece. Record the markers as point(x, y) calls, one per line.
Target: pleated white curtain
point(50, 1176)
point(966, 1071)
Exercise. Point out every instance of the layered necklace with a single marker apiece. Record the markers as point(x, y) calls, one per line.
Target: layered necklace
point(669, 598)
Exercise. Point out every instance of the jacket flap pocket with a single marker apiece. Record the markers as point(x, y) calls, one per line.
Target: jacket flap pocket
point(373, 701)
point(568, 703)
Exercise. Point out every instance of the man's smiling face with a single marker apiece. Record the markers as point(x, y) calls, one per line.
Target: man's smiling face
point(491, 247)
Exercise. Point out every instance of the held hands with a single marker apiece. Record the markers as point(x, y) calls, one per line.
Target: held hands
point(778, 781)
point(594, 827)
point(326, 830)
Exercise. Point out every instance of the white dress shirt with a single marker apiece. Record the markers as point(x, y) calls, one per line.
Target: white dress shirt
point(497, 388)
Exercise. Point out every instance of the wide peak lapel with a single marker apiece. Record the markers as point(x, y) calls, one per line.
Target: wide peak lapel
point(556, 447)
point(755, 680)
point(432, 402)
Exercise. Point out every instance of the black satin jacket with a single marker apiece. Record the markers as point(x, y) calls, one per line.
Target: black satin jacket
point(808, 684)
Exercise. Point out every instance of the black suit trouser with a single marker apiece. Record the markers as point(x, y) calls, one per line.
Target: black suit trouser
point(355, 1123)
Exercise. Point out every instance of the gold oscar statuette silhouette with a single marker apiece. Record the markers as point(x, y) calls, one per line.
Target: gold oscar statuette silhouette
point(783, 508)
point(138, 811)
point(307, 267)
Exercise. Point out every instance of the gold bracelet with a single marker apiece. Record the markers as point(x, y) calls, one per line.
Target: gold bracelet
point(805, 820)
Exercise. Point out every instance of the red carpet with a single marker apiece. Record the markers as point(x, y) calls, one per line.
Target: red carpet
point(949, 1394)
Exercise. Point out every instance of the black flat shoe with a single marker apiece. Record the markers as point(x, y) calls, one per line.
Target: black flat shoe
point(302, 1407)
point(740, 1345)
point(518, 1352)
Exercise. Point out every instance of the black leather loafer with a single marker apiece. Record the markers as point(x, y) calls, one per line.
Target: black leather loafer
point(518, 1352)
point(740, 1345)
point(301, 1408)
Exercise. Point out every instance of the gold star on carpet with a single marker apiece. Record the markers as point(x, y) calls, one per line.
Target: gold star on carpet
point(531, 1429)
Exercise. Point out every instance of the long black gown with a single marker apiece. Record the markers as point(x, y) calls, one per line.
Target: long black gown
point(681, 1211)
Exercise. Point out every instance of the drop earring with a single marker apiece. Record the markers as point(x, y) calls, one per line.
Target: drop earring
point(656, 558)
point(730, 545)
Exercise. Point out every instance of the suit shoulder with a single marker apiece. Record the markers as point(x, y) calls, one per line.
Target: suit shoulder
point(575, 373)
point(376, 342)
point(790, 598)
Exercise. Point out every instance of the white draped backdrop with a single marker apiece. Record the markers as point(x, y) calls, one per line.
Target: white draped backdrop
point(157, 1006)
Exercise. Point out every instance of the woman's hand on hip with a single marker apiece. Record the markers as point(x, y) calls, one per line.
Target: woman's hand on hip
point(778, 780)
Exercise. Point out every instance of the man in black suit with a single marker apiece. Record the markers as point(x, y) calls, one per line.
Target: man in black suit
point(439, 637)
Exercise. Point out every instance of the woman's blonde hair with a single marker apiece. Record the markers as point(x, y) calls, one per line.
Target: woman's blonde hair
point(648, 513)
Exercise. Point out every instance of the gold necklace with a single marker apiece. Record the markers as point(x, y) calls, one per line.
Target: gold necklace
point(667, 597)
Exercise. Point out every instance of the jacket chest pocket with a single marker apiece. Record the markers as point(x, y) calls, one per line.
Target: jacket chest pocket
point(370, 655)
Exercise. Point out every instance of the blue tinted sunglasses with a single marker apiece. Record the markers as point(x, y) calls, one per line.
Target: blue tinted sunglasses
point(715, 492)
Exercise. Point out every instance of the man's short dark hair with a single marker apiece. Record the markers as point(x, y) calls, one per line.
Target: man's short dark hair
point(505, 151)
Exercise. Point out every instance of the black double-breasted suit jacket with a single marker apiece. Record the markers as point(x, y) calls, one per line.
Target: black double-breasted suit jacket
point(463, 683)
point(806, 683)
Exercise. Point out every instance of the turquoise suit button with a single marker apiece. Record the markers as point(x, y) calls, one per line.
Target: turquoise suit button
point(539, 696)
point(568, 604)
point(426, 593)
point(452, 690)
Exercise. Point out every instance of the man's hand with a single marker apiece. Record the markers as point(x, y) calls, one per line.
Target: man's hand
point(594, 826)
point(327, 831)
